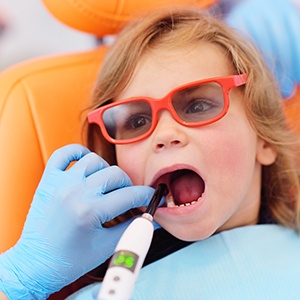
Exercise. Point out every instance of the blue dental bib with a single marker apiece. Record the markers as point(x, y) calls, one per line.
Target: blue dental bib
point(260, 262)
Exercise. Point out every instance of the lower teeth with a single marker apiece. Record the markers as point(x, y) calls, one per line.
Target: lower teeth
point(170, 202)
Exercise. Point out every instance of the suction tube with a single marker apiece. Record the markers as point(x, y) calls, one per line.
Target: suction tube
point(161, 190)
point(130, 253)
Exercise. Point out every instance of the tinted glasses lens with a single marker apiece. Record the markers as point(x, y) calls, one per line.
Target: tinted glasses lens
point(128, 120)
point(199, 103)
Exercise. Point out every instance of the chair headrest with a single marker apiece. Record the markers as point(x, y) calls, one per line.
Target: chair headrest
point(105, 17)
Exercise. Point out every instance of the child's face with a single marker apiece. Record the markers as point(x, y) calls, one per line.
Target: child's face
point(221, 162)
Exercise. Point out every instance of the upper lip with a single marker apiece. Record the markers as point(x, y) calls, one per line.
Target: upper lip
point(158, 177)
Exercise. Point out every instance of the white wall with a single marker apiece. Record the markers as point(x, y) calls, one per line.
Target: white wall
point(32, 31)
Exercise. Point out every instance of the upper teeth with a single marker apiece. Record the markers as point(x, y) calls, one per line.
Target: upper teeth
point(170, 202)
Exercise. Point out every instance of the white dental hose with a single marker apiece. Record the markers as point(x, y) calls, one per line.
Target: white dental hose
point(130, 253)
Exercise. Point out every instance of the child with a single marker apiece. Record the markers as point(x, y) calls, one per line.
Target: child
point(225, 169)
point(247, 166)
point(181, 99)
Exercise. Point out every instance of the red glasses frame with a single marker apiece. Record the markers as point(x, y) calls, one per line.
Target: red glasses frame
point(226, 82)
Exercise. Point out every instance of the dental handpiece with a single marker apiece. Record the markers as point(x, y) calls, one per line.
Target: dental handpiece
point(130, 253)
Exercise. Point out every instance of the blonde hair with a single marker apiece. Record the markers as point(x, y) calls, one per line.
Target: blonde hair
point(181, 26)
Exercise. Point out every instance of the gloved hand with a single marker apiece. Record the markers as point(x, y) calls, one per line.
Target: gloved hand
point(63, 237)
point(275, 28)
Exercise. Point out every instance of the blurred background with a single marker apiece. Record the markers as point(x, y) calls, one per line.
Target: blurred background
point(28, 30)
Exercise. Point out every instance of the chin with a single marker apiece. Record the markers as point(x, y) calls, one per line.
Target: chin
point(189, 233)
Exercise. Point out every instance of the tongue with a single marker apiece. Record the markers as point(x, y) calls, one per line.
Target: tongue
point(186, 186)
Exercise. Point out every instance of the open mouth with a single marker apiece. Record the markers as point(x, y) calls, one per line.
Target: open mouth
point(185, 187)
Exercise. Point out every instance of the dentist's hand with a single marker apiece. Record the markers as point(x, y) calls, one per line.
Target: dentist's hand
point(63, 237)
point(274, 27)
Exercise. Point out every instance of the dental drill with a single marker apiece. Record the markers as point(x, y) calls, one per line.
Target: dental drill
point(130, 253)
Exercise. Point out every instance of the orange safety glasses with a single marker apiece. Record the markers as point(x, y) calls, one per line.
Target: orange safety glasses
point(197, 103)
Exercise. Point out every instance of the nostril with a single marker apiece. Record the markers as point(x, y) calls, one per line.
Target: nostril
point(176, 142)
point(159, 146)
point(168, 144)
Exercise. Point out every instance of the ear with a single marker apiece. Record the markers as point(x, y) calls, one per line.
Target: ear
point(265, 153)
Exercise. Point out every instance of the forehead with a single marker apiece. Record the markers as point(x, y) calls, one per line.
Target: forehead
point(161, 70)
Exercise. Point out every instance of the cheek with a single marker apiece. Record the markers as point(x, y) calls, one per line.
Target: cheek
point(238, 155)
point(131, 162)
point(232, 155)
point(239, 184)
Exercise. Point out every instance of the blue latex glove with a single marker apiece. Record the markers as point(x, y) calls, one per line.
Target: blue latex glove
point(63, 237)
point(274, 25)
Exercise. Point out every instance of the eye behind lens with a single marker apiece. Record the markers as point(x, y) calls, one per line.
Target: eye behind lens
point(128, 120)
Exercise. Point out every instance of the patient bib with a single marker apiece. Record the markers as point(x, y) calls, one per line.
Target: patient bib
point(260, 262)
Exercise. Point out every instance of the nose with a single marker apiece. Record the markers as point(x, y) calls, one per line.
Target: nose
point(168, 133)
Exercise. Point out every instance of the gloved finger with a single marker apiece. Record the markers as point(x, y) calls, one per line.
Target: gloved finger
point(88, 165)
point(107, 180)
point(119, 201)
point(62, 157)
point(103, 244)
